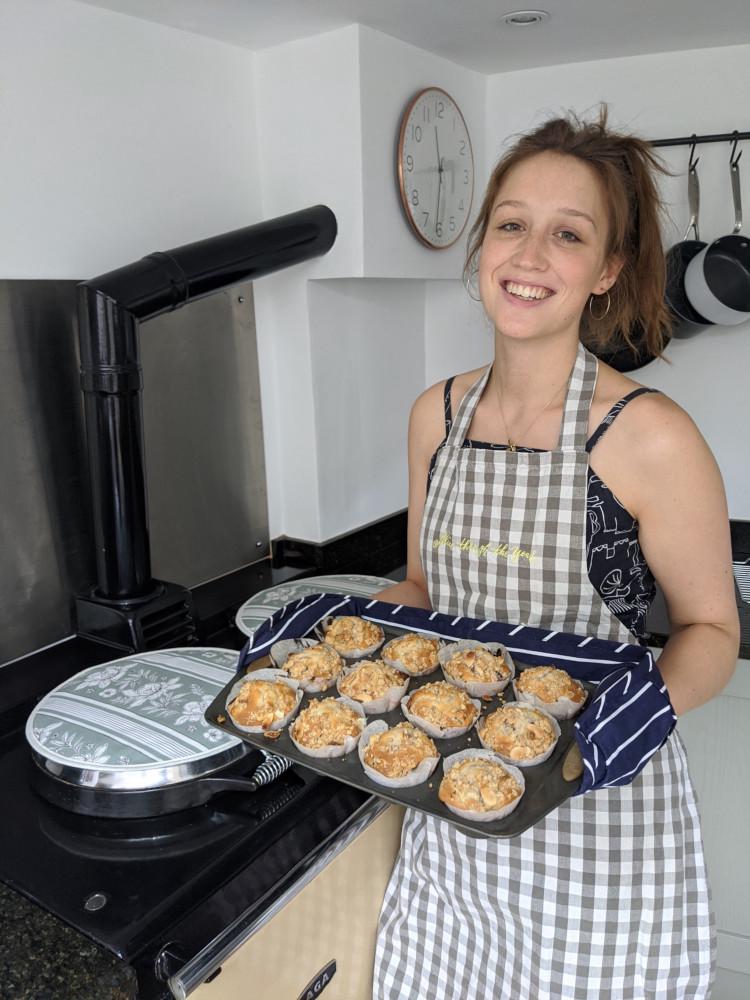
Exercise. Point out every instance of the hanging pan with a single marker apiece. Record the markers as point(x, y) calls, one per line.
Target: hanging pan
point(681, 254)
point(717, 279)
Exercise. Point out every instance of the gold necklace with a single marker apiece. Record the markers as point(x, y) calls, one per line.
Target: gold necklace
point(513, 445)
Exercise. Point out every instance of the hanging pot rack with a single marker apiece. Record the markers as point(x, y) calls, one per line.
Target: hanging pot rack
point(696, 140)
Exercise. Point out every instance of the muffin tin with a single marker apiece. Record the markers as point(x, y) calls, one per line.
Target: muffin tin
point(546, 788)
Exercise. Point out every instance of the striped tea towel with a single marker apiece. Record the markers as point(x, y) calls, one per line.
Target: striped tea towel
point(627, 720)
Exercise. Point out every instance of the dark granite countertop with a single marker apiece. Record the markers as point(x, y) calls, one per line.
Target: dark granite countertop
point(42, 958)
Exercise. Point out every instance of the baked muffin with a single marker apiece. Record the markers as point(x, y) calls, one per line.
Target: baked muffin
point(375, 685)
point(440, 708)
point(315, 667)
point(550, 689)
point(413, 653)
point(519, 733)
point(327, 723)
point(351, 636)
point(480, 785)
point(397, 752)
point(477, 665)
point(261, 703)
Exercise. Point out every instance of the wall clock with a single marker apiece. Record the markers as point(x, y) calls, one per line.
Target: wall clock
point(435, 168)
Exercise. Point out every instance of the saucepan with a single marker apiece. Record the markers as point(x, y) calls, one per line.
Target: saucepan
point(682, 254)
point(717, 280)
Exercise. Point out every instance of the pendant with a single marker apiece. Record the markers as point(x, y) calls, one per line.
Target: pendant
point(511, 445)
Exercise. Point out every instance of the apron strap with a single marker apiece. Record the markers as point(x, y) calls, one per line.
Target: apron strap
point(465, 412)
point(581, 386)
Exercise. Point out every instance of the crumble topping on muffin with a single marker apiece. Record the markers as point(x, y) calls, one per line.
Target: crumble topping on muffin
point(398, 751)
point(261, 703)
point(326, 722)
point(479, 785)
point(443, 705)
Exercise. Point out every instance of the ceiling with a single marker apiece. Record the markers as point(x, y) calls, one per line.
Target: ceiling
point(468, 32)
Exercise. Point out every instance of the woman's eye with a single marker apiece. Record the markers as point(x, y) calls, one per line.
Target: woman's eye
point(509, 227)
point(568, 237)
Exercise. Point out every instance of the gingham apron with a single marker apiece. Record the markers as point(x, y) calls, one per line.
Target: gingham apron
point(606, 898)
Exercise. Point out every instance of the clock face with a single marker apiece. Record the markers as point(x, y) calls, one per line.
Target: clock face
point(435, 168)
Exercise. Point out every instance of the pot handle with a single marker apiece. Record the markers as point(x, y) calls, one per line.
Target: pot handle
point(734, 173)
point(694, 197)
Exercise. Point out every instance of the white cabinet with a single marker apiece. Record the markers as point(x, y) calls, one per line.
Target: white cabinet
point(717, 737)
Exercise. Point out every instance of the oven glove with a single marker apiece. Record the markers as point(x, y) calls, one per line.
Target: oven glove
point(626, 722)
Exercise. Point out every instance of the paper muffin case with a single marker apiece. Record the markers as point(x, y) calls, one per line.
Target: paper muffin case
point(404, 667)
point(418, 776)
point(334, 750)
point(386, 703)
point(477, 689)
point(435, 731)
point(265, 675)
point(472, 814)
point(351, 654)
point(540, 758)
point(563, 708)
point(281, 651)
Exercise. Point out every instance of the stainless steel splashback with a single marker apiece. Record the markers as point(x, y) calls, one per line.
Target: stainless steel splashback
point(204, 452)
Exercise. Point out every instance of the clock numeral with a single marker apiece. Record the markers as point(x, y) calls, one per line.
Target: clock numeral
point(415, 197)
point(462, 148)
point(439, 109)
point(425, 114)
point(452, 223)
point(438, 229)
point(466, 176)
point(461, 206)
point(416, 133)
point(410, 163)
point(426, 219)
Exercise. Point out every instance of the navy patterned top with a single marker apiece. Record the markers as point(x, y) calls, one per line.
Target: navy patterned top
point(617, 568)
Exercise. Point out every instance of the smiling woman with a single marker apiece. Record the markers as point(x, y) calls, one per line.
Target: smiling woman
point(607, 896)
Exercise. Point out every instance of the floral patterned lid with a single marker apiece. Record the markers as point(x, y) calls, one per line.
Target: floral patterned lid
point(138, 719)
point(263, 604)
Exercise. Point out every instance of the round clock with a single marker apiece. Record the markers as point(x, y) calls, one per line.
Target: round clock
point(435, 168)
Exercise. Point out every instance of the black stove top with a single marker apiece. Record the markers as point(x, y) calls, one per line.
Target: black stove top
point(155, 891)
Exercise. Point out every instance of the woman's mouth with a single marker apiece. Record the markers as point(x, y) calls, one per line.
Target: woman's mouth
point(527, 293)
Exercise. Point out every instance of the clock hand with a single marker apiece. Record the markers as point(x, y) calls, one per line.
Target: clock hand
point(440, 180)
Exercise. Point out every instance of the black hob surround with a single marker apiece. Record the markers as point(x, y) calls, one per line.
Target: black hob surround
point(155, 891)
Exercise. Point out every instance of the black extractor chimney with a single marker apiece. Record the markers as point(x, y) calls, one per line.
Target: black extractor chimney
point(128, 608)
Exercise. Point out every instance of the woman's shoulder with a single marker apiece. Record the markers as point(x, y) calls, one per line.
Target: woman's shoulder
point(653, 432)
point(427, 422)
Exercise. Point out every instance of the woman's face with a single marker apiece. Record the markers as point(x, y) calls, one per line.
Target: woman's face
point(544, 251)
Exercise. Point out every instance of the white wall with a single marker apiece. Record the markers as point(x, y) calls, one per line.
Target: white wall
point(368, 366)
point(660, 96)
point(119, 137)
point(329, 110)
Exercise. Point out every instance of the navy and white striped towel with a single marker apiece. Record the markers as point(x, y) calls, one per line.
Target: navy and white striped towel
point(624, 724)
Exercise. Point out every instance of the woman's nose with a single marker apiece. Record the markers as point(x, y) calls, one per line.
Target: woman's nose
point(529, 252)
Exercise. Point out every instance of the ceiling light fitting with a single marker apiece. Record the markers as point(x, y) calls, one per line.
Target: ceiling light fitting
point(525, 18)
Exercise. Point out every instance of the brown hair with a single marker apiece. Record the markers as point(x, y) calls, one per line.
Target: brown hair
point(626, 167)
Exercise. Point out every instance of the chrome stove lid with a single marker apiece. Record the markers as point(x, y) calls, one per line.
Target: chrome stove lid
point(137, 722)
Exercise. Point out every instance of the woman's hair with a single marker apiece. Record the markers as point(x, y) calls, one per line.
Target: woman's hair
point(626, 167)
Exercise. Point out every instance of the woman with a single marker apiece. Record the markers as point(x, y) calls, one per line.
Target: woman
point(607, 897)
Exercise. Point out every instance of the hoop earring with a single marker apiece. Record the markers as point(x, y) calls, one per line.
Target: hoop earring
point(470, 286)
point(606, 311)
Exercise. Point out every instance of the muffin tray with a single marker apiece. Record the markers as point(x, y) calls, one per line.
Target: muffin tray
point(546, 788)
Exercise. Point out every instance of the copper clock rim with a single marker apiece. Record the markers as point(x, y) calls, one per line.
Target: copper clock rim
point(399, 167)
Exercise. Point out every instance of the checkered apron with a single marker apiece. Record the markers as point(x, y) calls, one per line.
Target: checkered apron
point(606, 898)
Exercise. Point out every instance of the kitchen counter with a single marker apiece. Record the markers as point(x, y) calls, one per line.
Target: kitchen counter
point(42, 958)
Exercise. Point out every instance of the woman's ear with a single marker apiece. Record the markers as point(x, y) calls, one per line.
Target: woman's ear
point(610, 274)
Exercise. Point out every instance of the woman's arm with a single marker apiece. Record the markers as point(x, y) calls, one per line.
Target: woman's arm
point(425, 434)
point(684, 534)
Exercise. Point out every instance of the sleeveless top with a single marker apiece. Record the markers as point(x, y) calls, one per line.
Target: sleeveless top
point(617, 568)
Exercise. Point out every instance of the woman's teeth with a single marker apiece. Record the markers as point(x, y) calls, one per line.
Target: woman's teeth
point(527, 291)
